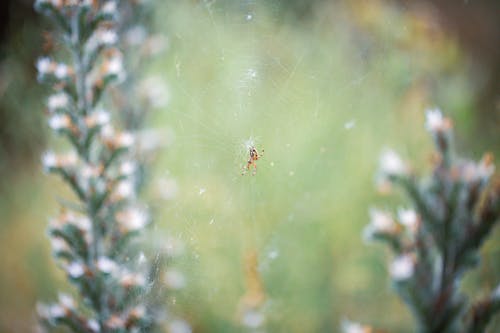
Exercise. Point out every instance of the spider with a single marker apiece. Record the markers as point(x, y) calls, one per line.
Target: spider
point(252, 160)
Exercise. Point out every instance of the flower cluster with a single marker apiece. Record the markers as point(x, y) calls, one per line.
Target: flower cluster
point(455, 209)
point(92, 235)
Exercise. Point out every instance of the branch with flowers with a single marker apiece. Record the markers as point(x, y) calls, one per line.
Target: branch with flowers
point(439, 239)
point(92, 236)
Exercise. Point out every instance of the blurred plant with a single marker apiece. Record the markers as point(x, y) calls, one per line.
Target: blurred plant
point(93, 237)
point(135, 98)
point(140, 93)
point(251, 309)
point(439, 240)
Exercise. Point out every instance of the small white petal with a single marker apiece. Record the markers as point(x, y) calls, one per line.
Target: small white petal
point(61, 71)
point(75, 269)
point(58, 101)
point(109, 8)
point(93, 325)
point(107, 37)
point(58, 244)
point(391, 164)
point(253, 318)
point(409, 218)
point(348, 326)
point(132, 219)
point(44, 65)
point(402, 267)
point(106, 265)
point(49, 160)
point(434, 120)
point(59, 122)
point(57, 311)
point(125, 189)
point(128, 168)
point(67, 301)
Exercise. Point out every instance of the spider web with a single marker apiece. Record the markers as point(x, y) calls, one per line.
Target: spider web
point(240, 90)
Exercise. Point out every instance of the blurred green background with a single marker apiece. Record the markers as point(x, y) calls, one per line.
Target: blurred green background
point(322, 87)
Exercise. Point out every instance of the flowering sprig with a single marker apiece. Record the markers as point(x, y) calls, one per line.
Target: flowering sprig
point(438, 240)
point(91, 237)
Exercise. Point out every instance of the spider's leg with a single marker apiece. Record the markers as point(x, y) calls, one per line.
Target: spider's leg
point(254, 168)
point(246, 167)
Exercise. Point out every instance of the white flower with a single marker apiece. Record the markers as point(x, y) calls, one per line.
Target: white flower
point(124, 139)
point(402, 267)
point(106, 265)
point(59, 122)
point(127, 168)
point(58, 244)
point(44, 65)
point(109, 8)
point(57, 311)
point(83, 223)
point(348, 326)
point(93, 325)
point(75, 269)
point(114, 66)
point(61, 71)
point(67, 301)
point(132, 219)
point(49, 160)
point(107, 132)
point(125, 189)
point(178, 326)
point(253, 318)
point(88, 171)
point(58, 101)
point(174, 279)
point(98, 118)
point(117, 140)
point(381, 221)
point(106, 37)
point(391, 164)
point(409, 218)
point(435, 121)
